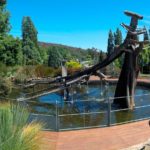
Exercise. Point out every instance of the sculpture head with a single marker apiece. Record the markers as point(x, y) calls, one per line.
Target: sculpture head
point(134, 19)
point(132, 14)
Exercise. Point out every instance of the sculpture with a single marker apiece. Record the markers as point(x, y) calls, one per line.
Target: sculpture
point(127, 80)
point(124, 94)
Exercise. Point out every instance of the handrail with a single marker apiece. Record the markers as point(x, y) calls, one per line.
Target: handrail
point(57, 115)
point(88, 113)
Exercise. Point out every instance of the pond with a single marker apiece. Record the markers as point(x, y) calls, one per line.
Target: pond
point(86, 108)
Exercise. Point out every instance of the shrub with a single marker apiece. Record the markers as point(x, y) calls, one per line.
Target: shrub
point(45, 71)
point(3, 70)
point(15, 134)
point(73, 67)
point(73, 64)
point(72, 71)
point(5, 86)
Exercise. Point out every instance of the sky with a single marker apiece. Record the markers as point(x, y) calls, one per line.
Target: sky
point(79, 23)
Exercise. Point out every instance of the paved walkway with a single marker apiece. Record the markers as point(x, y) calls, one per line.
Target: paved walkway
point(112, 138)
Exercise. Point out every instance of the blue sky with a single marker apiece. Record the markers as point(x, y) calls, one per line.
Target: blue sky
point(80, 23)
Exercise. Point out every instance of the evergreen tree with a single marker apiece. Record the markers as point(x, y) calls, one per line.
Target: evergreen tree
point(4, 18)
point(101, 56)
point(31, 53)
point(149, 33)
point(118, 37)
point(29, 31)
point(146, 37)
point(30, 42)
point(118, 41)
point(110, 47)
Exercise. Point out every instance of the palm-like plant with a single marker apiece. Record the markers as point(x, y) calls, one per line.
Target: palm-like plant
point(15, 133)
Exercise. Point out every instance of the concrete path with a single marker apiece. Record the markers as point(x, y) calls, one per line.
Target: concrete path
point(110, 138)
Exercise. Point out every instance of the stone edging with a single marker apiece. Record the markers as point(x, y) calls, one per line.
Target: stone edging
point(145, 83)
point(142, 146)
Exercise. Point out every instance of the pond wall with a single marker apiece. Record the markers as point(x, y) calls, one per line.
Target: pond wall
point(140, 82)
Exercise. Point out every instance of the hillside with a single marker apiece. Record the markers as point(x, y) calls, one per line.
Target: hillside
point(46, 45)
point(70, 52)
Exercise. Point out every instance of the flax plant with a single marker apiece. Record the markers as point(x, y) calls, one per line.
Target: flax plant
point(15, 133)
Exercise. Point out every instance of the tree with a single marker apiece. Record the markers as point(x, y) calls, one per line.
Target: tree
point(10, 48)
point(149, 32)
point(144, 59)
point(29, 31)
point(101, 56)
point(118, 41)
point(54, 58)
point(110, 47)
point(10, 51)
point(4, 18)
point(65, 53)
point(93, 54)
point(30, 42)
point(146, 37)
point(31, 54)
point(44, 54)
point(118, 37)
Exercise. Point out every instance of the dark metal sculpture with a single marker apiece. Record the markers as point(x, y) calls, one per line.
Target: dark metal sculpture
point(128, 77)
point(127, 80)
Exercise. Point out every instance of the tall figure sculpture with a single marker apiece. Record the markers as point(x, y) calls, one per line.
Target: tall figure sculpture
point(128, 77)
point(124, 94)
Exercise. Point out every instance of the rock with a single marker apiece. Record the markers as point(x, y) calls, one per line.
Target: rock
point(141, 146)
point(146, 147)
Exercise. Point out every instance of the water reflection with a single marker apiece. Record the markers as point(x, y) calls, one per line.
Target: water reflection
point(80, 101)
point(84, 104)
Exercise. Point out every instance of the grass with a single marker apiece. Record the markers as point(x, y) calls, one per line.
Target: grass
point(15, 133)
point(144, 76)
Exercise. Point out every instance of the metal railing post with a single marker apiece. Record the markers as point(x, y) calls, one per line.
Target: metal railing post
point(109, 112)
point(57, 124)
point(84, 116)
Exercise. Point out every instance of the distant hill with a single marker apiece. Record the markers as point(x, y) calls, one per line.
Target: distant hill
point(69, 52)
point(45, 44)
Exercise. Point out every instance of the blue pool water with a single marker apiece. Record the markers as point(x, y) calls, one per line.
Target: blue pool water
point(87, 106)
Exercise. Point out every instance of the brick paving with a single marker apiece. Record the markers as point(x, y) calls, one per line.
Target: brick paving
point(110, 138)
point(49, 140)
